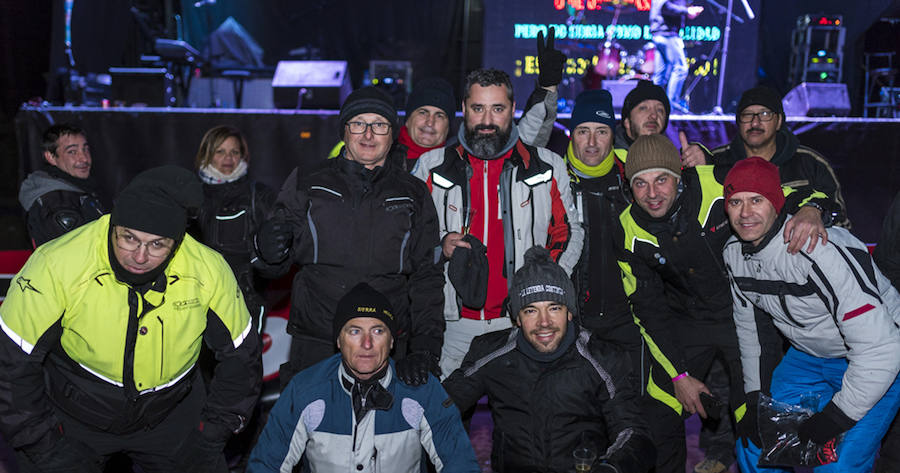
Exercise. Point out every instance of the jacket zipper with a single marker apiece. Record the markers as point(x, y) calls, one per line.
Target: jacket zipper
point(162, 348)
point(487, 210)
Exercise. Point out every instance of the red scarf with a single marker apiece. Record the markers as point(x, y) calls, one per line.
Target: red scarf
point(413, 150)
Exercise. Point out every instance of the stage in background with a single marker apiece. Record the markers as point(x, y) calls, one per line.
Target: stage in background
point(610, 40)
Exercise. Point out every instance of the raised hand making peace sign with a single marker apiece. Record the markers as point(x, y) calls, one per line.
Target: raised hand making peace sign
point(550, 60)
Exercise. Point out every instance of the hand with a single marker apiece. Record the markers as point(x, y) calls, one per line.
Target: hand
point(451, 241)
point(687, 390)
point(65, 455)
point(694, 11)
point(748, 427)
point(413, 370)
point(824, 426)
point(805, 225)
point(202, 450)
point(273, 240)
point(691, 155)
point(550, 60)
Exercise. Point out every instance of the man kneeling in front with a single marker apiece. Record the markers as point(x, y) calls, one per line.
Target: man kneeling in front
point(350, 412)
point(553, 388)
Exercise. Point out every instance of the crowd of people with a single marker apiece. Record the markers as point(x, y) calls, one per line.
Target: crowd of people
point(597, 299)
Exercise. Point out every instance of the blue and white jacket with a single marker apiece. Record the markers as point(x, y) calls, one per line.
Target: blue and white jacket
point(314, 415)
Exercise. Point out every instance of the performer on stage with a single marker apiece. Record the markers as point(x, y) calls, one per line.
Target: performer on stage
point(666, 19)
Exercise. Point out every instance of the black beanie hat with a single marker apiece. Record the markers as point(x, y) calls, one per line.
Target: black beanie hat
point(368, 100)
point(593, 106)
point(646, 90)
point(363, 301)
point(157, 200)
point(541, 279)
point(432, 91)
point(760, 95)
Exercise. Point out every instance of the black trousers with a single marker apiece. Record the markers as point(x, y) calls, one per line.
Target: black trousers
point(701, 344)
point(153, 450)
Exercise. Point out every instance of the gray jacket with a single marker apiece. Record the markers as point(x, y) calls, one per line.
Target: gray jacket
point(832, 303)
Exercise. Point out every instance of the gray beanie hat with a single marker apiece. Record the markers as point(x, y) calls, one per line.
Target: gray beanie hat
point(541, 279)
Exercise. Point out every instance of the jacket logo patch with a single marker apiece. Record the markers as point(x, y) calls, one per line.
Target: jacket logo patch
point(25, 284)
point(186, 304)
point(452, 207)
point(857, 312)
point(398, 206)
point(525, 204)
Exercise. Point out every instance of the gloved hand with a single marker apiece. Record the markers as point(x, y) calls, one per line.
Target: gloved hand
point(201, 451)
point(62, 454)
point(824, 426)
point(550, 60)
point(273, 240)
point(413, 370)
point(748, 427)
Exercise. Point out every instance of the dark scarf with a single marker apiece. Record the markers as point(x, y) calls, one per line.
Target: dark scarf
point(88, 185)
point(368, 394)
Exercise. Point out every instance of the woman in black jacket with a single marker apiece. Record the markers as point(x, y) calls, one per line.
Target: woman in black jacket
point(233, 208)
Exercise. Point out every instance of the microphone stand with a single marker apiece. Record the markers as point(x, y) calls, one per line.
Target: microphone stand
point(718, 108)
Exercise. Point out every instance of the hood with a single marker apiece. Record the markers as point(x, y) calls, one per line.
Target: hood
point(39, 183)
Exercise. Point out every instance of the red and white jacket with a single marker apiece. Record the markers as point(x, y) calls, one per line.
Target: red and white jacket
point(520, 200)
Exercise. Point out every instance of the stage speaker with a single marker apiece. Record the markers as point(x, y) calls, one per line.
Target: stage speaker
point(310, 84)
point(815, 99)
point(135, 86)
point(619, 90)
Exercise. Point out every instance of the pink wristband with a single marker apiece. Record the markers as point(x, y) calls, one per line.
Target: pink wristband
point(682, 375)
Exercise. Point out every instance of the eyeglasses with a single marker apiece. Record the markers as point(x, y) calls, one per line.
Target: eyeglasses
point(764, 116)
point(379, 128)
point(156, 248)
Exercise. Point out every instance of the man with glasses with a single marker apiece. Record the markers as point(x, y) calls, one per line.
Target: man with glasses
point(102, 329)
point(762, 132)
point(358, 218)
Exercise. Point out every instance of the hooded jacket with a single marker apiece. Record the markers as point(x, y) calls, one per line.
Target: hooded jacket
point(534, 200)
point(54, 205)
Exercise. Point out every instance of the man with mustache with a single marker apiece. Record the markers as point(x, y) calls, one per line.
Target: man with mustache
point(552, 385)
point(762, 132)
point(496, 189)
point(62, 196)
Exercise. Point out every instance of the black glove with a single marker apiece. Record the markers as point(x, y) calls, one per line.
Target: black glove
point(550, 60)
point(201, 451)
point(64, 455)
point(413, 370)
point(273, 240)
point(824, 426)
point(748, 427)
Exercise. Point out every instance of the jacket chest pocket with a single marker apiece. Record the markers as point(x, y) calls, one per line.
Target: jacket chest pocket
point(230, 228)
point(393, 221)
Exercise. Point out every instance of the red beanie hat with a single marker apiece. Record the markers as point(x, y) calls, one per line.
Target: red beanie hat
point(756, 175)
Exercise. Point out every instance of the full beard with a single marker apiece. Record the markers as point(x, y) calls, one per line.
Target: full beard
point(487, 145)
